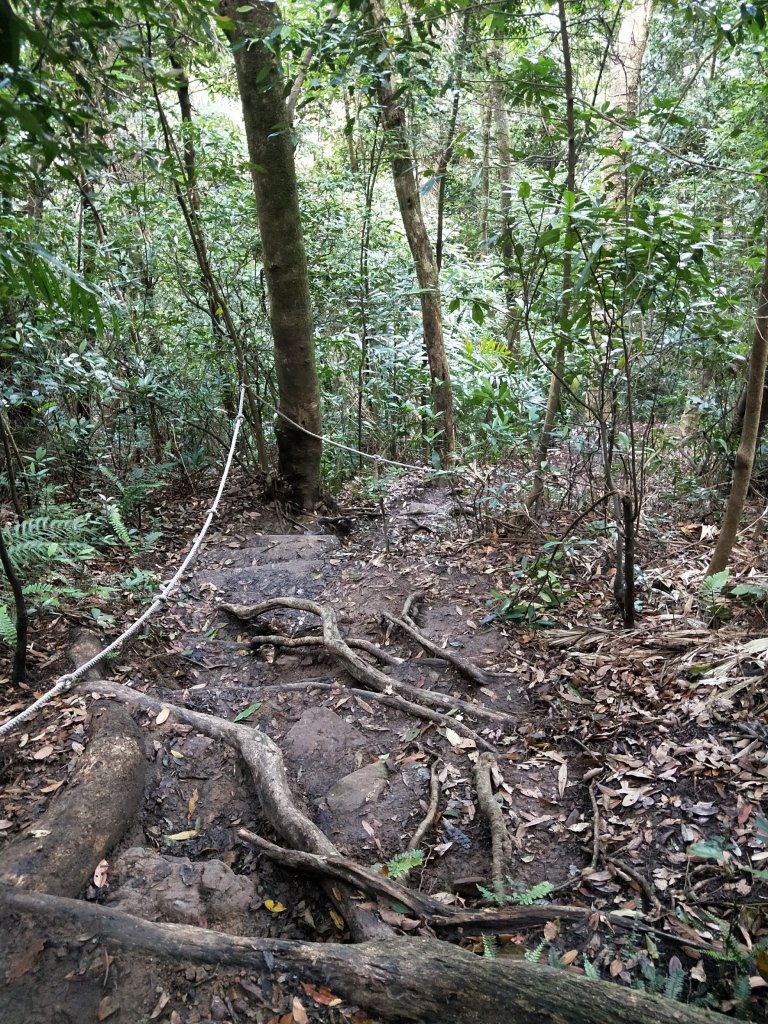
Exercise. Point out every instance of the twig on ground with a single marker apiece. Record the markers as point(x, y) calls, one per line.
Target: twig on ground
point(596, 826)
point(466, 668)
point(629, 872)
point(345, 871)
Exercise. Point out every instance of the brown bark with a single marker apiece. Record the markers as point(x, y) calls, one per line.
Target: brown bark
point(89, 816)
point(260, 81)
point(185, 109)
point(745, 455)
point(425, 264)
point(397, 979)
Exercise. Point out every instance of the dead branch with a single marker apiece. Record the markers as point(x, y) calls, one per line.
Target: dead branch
point(502, 852)
point(84, 821)
point(265, 763)
point(398, 979)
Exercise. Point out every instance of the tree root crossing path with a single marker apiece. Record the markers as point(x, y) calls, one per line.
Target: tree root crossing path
point(322, 792)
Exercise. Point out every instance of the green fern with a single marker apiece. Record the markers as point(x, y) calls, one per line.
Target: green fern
point(590, 971)
point(533, 956)
point(511, 892)
point(7, 627)
point(115, 520)
point(490, 947)
point(402, 863)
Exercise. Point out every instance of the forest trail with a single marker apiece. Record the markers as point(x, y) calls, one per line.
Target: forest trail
point(601, 781)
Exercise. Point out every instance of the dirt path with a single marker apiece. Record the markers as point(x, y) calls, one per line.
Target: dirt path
point(360, 769)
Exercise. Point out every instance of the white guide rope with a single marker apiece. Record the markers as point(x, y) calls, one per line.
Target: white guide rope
point(66, 682)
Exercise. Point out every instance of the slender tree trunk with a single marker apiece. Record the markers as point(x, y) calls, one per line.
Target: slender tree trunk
point(260, 82)
point(446, 155)
point(745, 456)
point(409, 200)
point(623, 87)
point(19, 673)
point(556, 380)
point(185, 109)
point(505, 206)
point(485, 175)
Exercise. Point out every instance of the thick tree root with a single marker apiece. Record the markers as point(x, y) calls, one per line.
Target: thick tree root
point(501, 845)
point(429, 818)
point(370, 676)
point(398, 979)
point(265, 763)
point(89, 816)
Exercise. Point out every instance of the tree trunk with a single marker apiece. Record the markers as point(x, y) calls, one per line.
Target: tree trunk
point(261, 86)
point(750, 429)
point(623, 87)
point(556, 380)
point(409, 200)
point(505, 206)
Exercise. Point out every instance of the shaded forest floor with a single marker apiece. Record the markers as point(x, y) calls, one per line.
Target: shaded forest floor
point(630, 767)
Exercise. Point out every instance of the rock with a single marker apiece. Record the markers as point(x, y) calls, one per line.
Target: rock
point(362, 787)
point(322, 746)
point(175, 889)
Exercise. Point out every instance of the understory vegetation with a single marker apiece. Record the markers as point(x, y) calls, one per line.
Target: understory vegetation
point(534, 244)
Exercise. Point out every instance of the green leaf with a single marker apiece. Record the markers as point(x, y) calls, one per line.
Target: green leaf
point(523, 190)
point(247, 712)
point(709, 849)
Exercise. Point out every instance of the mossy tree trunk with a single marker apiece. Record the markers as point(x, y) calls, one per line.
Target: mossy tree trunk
point(261, 86)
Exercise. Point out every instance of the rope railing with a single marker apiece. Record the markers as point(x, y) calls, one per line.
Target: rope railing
point(66, 682)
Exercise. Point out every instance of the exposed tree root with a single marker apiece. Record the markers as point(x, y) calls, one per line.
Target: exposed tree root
point(501, 845)
point(346, 871)
point(59, 853)
point(431, 815)
point(370, 676)
point(265, 763)
point(398, 979)
point(407, 624)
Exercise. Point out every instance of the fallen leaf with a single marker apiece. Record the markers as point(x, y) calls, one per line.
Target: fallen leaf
point(551, 931)
point(101, 874)
point(567, 958)
point(52, 787)
point(180, 837)
point(43, 752)
point(25, 961)
point(299, 1013)
point(274, 907)
point(337, 919)
point(162, 716)
point(192, 804)
point(562, 779)
point(107, 1008)
point(616, 967)
point(247, 712)
point(160, 1006)
point(322, 995)
point(761, 962)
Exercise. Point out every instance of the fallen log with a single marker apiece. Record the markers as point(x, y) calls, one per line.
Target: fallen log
point(397, 979)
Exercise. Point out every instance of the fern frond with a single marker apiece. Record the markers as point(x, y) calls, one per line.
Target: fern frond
point(121, 530)
point(402, 863)
point(7, 627)
point(533, 956)
point(490, 947)
point(590, 971)
point(534, 893)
